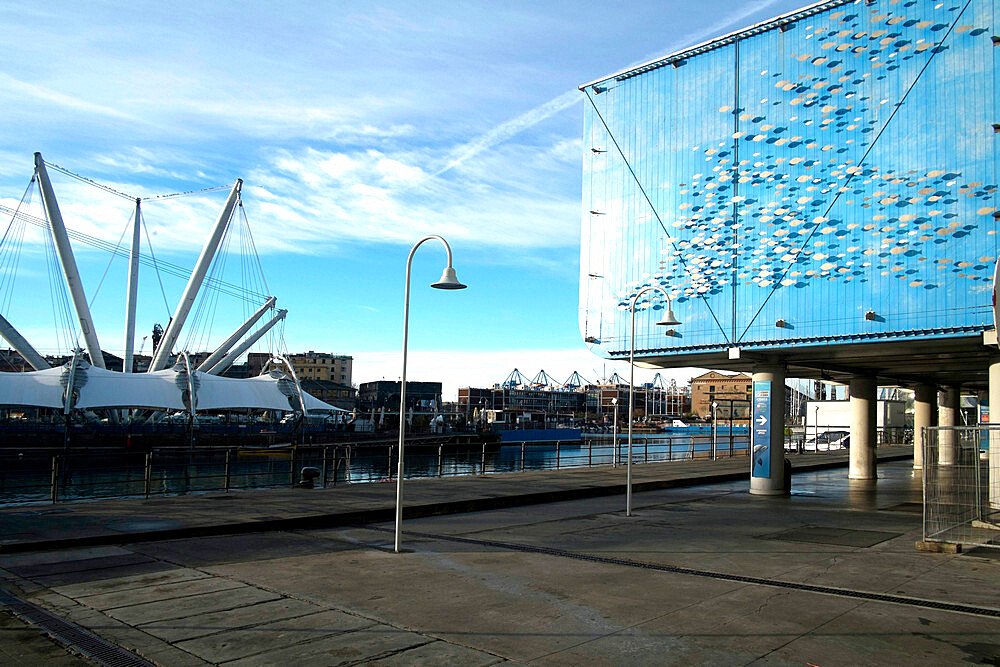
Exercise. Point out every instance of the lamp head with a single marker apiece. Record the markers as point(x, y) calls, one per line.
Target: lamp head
point(669, 320)
point(448, 280)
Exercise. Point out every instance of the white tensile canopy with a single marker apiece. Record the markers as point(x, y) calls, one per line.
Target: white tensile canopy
point(162, 390)
point(43, 389)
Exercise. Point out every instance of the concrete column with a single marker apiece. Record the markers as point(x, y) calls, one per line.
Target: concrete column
point(863, 435)
point(994, 452)
point(924, 415)
point(947, 414)
point(772, 482)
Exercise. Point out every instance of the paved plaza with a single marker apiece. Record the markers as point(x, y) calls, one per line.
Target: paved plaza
point(700, 574)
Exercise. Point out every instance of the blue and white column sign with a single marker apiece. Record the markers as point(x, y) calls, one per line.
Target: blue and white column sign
point(761, 429)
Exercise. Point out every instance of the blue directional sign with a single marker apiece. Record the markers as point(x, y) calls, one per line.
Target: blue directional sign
point(761, 428)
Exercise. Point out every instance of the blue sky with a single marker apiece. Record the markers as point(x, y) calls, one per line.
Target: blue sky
point(357, 128)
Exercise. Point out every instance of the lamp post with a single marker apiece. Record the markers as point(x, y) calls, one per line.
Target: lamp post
point(448, 281)
point(667, 320)
point(614, 434)
point(715, 427)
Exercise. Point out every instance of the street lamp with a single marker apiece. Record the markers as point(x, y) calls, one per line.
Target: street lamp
point(715, 426)
point(448, 281)
point(614, 434)
point(668, 320)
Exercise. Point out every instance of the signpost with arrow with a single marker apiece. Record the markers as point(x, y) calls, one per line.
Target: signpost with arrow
point(761, 429)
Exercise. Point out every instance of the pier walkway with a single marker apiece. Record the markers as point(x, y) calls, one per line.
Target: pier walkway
point(47, 526)
point(537, 567)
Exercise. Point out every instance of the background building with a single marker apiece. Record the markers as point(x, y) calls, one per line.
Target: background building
point(817, 191)
point(731, 392)
point(322, 366)
point(421, 397)
point(336, 394)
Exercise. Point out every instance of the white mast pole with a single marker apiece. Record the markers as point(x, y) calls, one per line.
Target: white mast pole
point(72, 274)
point(133, 285)
point(236, 335)
point(21, 345)
point(194, 283)
point(220, 367)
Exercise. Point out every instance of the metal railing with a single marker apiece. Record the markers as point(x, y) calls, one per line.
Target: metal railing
point(961, 484)
point(31, 476)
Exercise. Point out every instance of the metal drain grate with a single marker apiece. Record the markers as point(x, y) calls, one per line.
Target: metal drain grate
point(71, 635)
point(826, 590)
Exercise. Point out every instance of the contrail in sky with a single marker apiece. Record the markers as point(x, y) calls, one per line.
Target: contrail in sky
point(505, 131)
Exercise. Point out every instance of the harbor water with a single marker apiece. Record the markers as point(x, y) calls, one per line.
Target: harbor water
point(28, 476)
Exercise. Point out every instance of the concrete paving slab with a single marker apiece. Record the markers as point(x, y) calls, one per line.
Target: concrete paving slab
point(352, 648)
point(78, 565)
point(12, 561)
point(438, 654)
point(199, 625)
point(166, 576)
point(97, 574)
point(228, 548)
point(181, 607)
point(876, 634)
point(828, 535)
point(270, 637)
point(520, 602)
point(112, 630)
point(157, 592)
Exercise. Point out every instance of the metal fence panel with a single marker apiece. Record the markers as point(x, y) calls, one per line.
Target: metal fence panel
point(958, 476)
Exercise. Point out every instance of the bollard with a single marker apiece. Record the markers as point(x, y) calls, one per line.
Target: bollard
point(229, 478)
point(308, 477)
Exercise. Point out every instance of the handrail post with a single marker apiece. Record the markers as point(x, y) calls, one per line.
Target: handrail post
point(522, 456)
point(148, 473)
point(54, 481)
point(322, 478)
point(440, 459)
point(291, 468)
point(390, 464)
point(590, 454)
point(557, 455)
point(228, 481)
point(482, 464)
point(645, 450)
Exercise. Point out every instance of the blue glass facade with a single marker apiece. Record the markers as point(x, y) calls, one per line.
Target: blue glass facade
point(829, 176)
